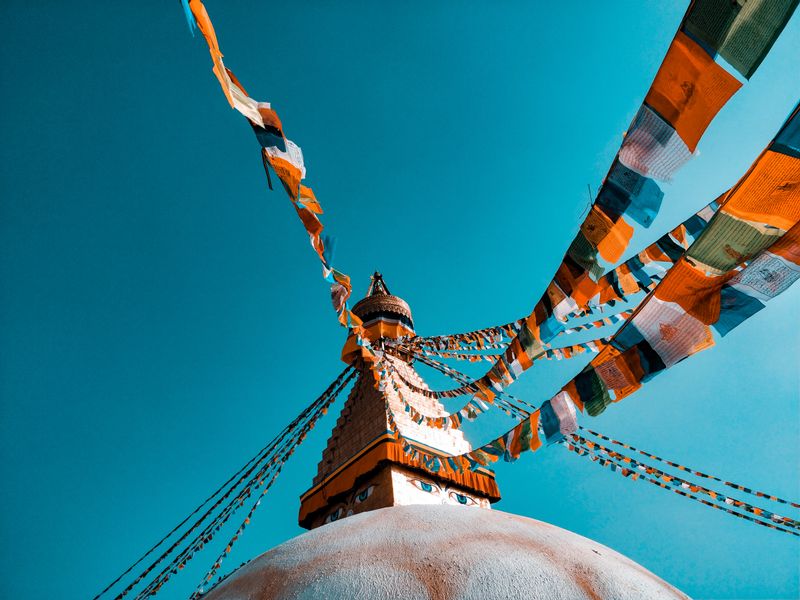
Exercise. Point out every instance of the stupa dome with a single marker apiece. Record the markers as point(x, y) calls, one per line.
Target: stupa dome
point(441, 552)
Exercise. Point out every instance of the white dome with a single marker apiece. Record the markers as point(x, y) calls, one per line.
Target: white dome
point(439, 552)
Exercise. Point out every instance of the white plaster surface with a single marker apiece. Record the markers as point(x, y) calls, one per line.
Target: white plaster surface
point(441, 552)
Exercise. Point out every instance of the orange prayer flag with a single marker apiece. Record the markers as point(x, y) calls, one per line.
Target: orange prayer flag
point(289, 174)
point(696, 293)
point(204, 23)
point(606, 292)
point(309, 200)
point(690, 89)
point(654, 253)
point(613, 246)
point(627, 282)
point(516, 351)
point(535, 442)
point(584, 289)
point(270, 118)
point(610, 238)
point(770, 193)
point(484, 393)
point(788, 246)
point(310, 221)
point(207, 29)
point(679, 233)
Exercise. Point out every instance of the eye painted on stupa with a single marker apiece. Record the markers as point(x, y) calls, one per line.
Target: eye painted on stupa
point(463, 499)
point(363, 494)
point(335, 515)
point(425, 486)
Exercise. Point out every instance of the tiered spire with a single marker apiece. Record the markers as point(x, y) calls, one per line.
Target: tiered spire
point(377, 286)
point(363, 467)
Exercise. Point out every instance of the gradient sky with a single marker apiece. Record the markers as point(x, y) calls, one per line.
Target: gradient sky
point(163, 315)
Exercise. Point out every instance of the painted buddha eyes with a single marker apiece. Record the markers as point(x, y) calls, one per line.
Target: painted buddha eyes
point(444, 494)
point(364, 494)
point(425, 486)
point(452, 495)
point(342, 511)
point(335, 515)
point(463, 499)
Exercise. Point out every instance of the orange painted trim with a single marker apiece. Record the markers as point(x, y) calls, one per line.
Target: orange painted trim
point(385, 449)
point(374, 331)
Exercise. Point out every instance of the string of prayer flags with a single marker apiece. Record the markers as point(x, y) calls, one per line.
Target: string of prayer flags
point(567, 352)
point(522, 438)
point(475, 406)
point(788, 139)
point(273, 468)
point(201, 20)
point(674, 321)
point(626, 192)
point(740, 32)
point(469, 411)
point(285, 158)
point(770, 273)
point(510, 405)
point(296, 434)
point(652, 147)
point(217, 564)
point(486, 389)
point(463, 356)
point(229, 497)
point(489, 337)
point(676, 481)
point(636, 475)
point(640, 273)
point(549, 353)
point(681, 467)
point(525, 351)
point(690, 89)
point(558, 418)
point(687, 92)
point(603, 322)
point(515, 405)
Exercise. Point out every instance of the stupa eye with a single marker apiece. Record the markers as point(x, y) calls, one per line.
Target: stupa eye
point(364, 494)
point(425, 486)
point(335, 515)
point(463, 499)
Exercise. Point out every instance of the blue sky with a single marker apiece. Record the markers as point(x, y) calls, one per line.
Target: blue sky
point(163, 315)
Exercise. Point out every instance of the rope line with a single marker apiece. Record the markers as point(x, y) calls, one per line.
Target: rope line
point(730, 484)
point(270, 450)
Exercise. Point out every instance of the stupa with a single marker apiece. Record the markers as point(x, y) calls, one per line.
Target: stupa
point(384, 527)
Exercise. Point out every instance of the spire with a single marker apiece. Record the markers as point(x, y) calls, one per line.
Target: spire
point(379, 303)
point(377, 286)
point(363, 466)
point(383, 315)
